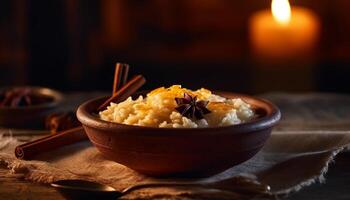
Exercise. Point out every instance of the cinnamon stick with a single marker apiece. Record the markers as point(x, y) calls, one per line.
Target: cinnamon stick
point(30, 149)
point(49, 143)
point(120, 76)
point(117, 77)
point(125, 74)
point(127, 90)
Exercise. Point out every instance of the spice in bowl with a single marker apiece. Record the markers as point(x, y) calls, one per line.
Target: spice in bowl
point(177, 107)
point(27, 106)
point(21, 97)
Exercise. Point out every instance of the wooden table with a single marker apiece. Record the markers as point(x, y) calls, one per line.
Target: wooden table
point(300, 112)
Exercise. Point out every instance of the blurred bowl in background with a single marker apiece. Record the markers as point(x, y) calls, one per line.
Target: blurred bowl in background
point(44, 101)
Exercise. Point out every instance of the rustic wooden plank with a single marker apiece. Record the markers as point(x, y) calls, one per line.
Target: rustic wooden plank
point(312, 111)
point(16, 188)
point(337, 185)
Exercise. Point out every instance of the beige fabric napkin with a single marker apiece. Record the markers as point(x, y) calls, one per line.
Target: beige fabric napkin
point(288, 162)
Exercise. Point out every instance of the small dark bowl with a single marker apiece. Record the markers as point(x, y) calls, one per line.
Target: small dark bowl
point(180, 151)
point(30, 116)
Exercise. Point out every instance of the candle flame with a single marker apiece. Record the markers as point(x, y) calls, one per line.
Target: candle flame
point(281, 11)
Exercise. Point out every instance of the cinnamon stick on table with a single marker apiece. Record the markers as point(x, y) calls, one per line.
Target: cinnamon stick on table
point(30, 149)
point(51, 142)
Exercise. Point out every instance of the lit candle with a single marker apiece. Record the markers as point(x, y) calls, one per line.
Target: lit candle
point(284, 33)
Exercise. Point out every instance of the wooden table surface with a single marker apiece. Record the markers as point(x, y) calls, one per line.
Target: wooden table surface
point(299, 111)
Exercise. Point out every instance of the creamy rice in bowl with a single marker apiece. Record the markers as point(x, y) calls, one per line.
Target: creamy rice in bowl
point(159, 109)
point(160, 133)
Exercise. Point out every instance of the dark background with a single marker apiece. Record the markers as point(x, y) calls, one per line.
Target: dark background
point(73, 45)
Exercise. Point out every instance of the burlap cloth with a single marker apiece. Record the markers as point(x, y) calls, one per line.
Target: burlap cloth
point(289, 161)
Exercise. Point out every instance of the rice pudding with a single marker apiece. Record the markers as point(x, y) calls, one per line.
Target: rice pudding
point(177, 107)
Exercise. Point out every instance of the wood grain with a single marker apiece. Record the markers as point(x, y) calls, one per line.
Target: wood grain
point(14, 188)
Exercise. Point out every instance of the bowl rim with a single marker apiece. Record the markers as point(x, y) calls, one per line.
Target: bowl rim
point(269, 120)
point(57, 97)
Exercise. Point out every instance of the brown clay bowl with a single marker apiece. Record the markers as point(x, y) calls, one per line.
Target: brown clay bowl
point(180, 151)
point(30, 116)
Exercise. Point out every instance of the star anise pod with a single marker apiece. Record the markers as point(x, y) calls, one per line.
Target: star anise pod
point(191, 108)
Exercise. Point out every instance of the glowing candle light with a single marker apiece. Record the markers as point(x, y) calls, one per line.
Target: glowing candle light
point(284, 32)
point(281, 11)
